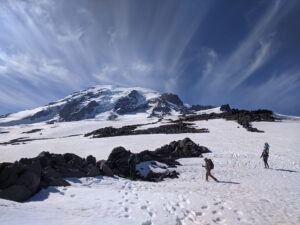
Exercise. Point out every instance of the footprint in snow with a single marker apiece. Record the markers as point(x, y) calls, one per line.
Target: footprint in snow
point(148, 222)
point(199, 213)
point(214, 212)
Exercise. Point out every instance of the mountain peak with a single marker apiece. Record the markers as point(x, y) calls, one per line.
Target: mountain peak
point(100, 100)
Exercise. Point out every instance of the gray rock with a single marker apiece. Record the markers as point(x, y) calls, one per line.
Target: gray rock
point(22, 179)
point(104, 168)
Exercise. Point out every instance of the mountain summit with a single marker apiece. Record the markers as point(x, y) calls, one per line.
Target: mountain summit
point(101, 102)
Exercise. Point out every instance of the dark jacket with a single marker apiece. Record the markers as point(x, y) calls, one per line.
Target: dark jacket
point(265, 153)
point(209, 165)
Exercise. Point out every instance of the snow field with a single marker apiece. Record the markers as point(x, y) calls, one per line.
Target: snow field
point(247, 193)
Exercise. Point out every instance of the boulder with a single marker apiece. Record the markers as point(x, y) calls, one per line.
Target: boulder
point(91, 160)
point(104, 168)
point(20, 180)
point(118, 161)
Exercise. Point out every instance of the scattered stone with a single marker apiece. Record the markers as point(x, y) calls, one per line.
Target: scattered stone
point(31, 131)
point(22, 140)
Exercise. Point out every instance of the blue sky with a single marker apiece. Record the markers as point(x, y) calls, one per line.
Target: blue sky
point(209, 52)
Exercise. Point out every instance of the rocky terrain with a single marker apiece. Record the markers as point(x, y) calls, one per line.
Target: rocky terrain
point(22, 179)
point(174, 128)
point(242, 117)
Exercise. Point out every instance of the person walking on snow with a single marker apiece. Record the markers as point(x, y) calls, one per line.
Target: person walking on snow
point(265, 155)
point(209, 165)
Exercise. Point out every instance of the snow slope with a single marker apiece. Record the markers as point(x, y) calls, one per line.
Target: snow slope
point(248, 193)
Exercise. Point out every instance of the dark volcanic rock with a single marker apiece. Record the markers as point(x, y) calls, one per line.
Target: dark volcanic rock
point(4, 132)
point(172, 98)
point(243, 117)
point(86, 111)
point(66, 113)
point(165, 104)
point(118, 159)
point(31, 131)
point(104, 168)
point(133, 102)
point(21, 180)
point(182, 149)
point(111, 131)
point(225, 108)
point(73, 111)
point(41, 114)
point(176, 128)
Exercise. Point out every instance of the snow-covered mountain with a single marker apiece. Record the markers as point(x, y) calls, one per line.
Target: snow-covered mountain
point(101, 102)
point(246, 194)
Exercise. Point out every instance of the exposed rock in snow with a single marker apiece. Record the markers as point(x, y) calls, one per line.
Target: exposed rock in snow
point(22, 179)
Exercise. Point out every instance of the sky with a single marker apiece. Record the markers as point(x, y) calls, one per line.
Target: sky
point(210, 52)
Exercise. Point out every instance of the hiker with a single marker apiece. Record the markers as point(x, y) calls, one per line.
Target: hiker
point(132, 160)
point(209, 165)
point(265, 155)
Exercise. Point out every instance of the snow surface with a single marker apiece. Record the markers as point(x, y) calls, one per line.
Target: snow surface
point(247, 193)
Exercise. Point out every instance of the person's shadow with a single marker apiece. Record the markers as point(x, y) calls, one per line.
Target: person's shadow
point(285, 170)
point(228, 182)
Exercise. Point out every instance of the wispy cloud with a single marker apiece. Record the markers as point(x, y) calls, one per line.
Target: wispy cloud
point(250, 55)
point(55, 47)
point(227, 75)
point(276, 92)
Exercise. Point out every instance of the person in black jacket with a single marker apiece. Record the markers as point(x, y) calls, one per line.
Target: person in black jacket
point(209, 165)
point(265, 155)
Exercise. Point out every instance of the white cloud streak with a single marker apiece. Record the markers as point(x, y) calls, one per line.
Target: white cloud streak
point(252, 53)
point(277, 92)
point(56, 47)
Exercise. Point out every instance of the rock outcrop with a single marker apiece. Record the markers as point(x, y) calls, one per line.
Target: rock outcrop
point(175, 128)
point(243, 117)
point(22, 179)
point(167, 154)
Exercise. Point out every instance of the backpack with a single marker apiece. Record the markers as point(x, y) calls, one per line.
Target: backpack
point(266, 153)
point(210, 164)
